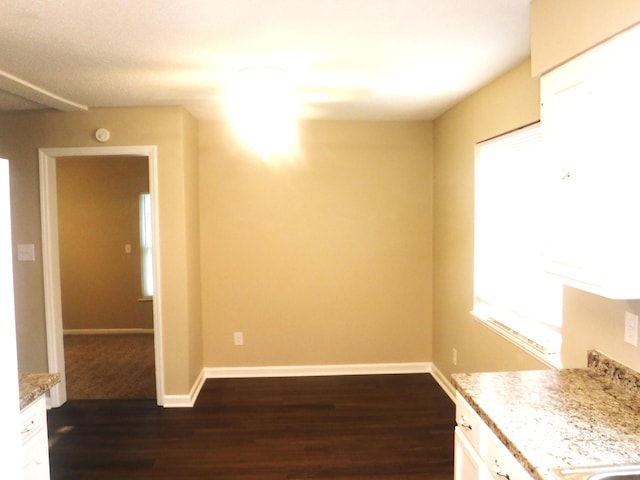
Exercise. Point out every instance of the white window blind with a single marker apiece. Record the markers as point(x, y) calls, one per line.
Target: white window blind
point(511, 289)
point(146, 245)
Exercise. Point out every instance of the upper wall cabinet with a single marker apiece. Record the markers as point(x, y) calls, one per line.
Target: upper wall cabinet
point(591, 129)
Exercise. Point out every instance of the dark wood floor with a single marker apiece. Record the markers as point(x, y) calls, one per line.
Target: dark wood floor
point(339, 428)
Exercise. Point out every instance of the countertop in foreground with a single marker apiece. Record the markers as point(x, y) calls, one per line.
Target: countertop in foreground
point(558, 418)
point(32, 385)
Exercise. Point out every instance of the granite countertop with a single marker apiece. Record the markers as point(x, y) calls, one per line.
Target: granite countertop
point(559, 418)
point(32, 385)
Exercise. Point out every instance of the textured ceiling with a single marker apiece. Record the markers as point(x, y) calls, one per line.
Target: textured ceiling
point(348, 59)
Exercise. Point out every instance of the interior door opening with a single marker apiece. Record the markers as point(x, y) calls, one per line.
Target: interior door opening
point(107, 315)
point(52, 258)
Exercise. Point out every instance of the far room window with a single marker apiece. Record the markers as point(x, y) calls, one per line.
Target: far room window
point(146, 245)
point(512, 293)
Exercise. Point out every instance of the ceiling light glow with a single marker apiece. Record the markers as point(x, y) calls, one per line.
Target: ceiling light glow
point(263, 112)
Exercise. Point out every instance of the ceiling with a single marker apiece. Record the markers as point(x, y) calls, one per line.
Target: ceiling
point(347, 59)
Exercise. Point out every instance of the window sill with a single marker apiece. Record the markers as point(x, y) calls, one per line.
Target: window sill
point(145, 299)
point(550, 359)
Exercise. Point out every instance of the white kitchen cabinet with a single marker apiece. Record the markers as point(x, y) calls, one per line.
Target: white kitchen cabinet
point(589, 118)
point(35, 444)
point(502, 465)
point(467, 463)
point(478, 453)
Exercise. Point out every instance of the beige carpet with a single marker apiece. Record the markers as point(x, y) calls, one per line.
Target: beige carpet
point(109, 366)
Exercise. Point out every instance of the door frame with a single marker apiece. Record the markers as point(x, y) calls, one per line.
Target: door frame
point(51, 258)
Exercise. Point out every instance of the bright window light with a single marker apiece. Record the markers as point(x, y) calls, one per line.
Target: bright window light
point(511, 287)
point(146, 245)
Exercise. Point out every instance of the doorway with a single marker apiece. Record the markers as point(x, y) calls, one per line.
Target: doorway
point(107, 316)
point(51, 258)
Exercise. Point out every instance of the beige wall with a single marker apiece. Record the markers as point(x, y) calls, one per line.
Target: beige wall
point(589, 321)
point(360, 205)
point(17, 136)
point(192, 243)
point(174, 132)
point(325, 262)
point(563, 29)
point(509, 102)
point(98, 213)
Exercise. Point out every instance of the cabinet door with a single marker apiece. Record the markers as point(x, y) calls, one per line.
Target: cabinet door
point(467, 464)
point(568, 132)
point(589, 120)
point(617, 81)
point(35, 460)
point(35, 443)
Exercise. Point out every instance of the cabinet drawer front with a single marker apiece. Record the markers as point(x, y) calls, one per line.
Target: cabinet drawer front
point(33, 419)
point(469, 423)
point(500, 462)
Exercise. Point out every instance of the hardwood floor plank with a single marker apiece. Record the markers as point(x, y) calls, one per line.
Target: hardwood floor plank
point(338, 428)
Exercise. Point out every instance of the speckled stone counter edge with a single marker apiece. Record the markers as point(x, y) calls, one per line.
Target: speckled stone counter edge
point(497, 432)
point(32, 385)
point(613, 371)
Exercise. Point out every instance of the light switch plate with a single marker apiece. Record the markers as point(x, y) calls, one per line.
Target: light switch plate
point(631, 328)
point(26, 252)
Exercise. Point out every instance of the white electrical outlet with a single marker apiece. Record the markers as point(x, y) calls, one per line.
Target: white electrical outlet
point(454, 356)
point(631, 328)
point(238, 338)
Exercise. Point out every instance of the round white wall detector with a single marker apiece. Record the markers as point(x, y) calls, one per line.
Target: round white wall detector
point(102, 135)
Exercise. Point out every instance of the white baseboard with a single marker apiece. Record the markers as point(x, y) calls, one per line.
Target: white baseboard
point(182, 401)
point(185, 401)
point(317, 370)
point(104, 331)
point(444, 383)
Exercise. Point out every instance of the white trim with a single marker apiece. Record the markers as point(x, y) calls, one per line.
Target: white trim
point(444, 382)
point(186, 401)
point(106, 331)
point(51, 274)
point(317, 370)
point(50, 257)
point(178, 401)
point(552, 360)
point(33, 93)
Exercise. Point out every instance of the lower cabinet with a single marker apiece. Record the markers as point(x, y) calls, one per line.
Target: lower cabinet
point(468, 464)
point(478, 453)
point(35, 442)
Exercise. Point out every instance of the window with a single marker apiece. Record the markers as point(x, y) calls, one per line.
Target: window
point(146, 244)
point(512, 292)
